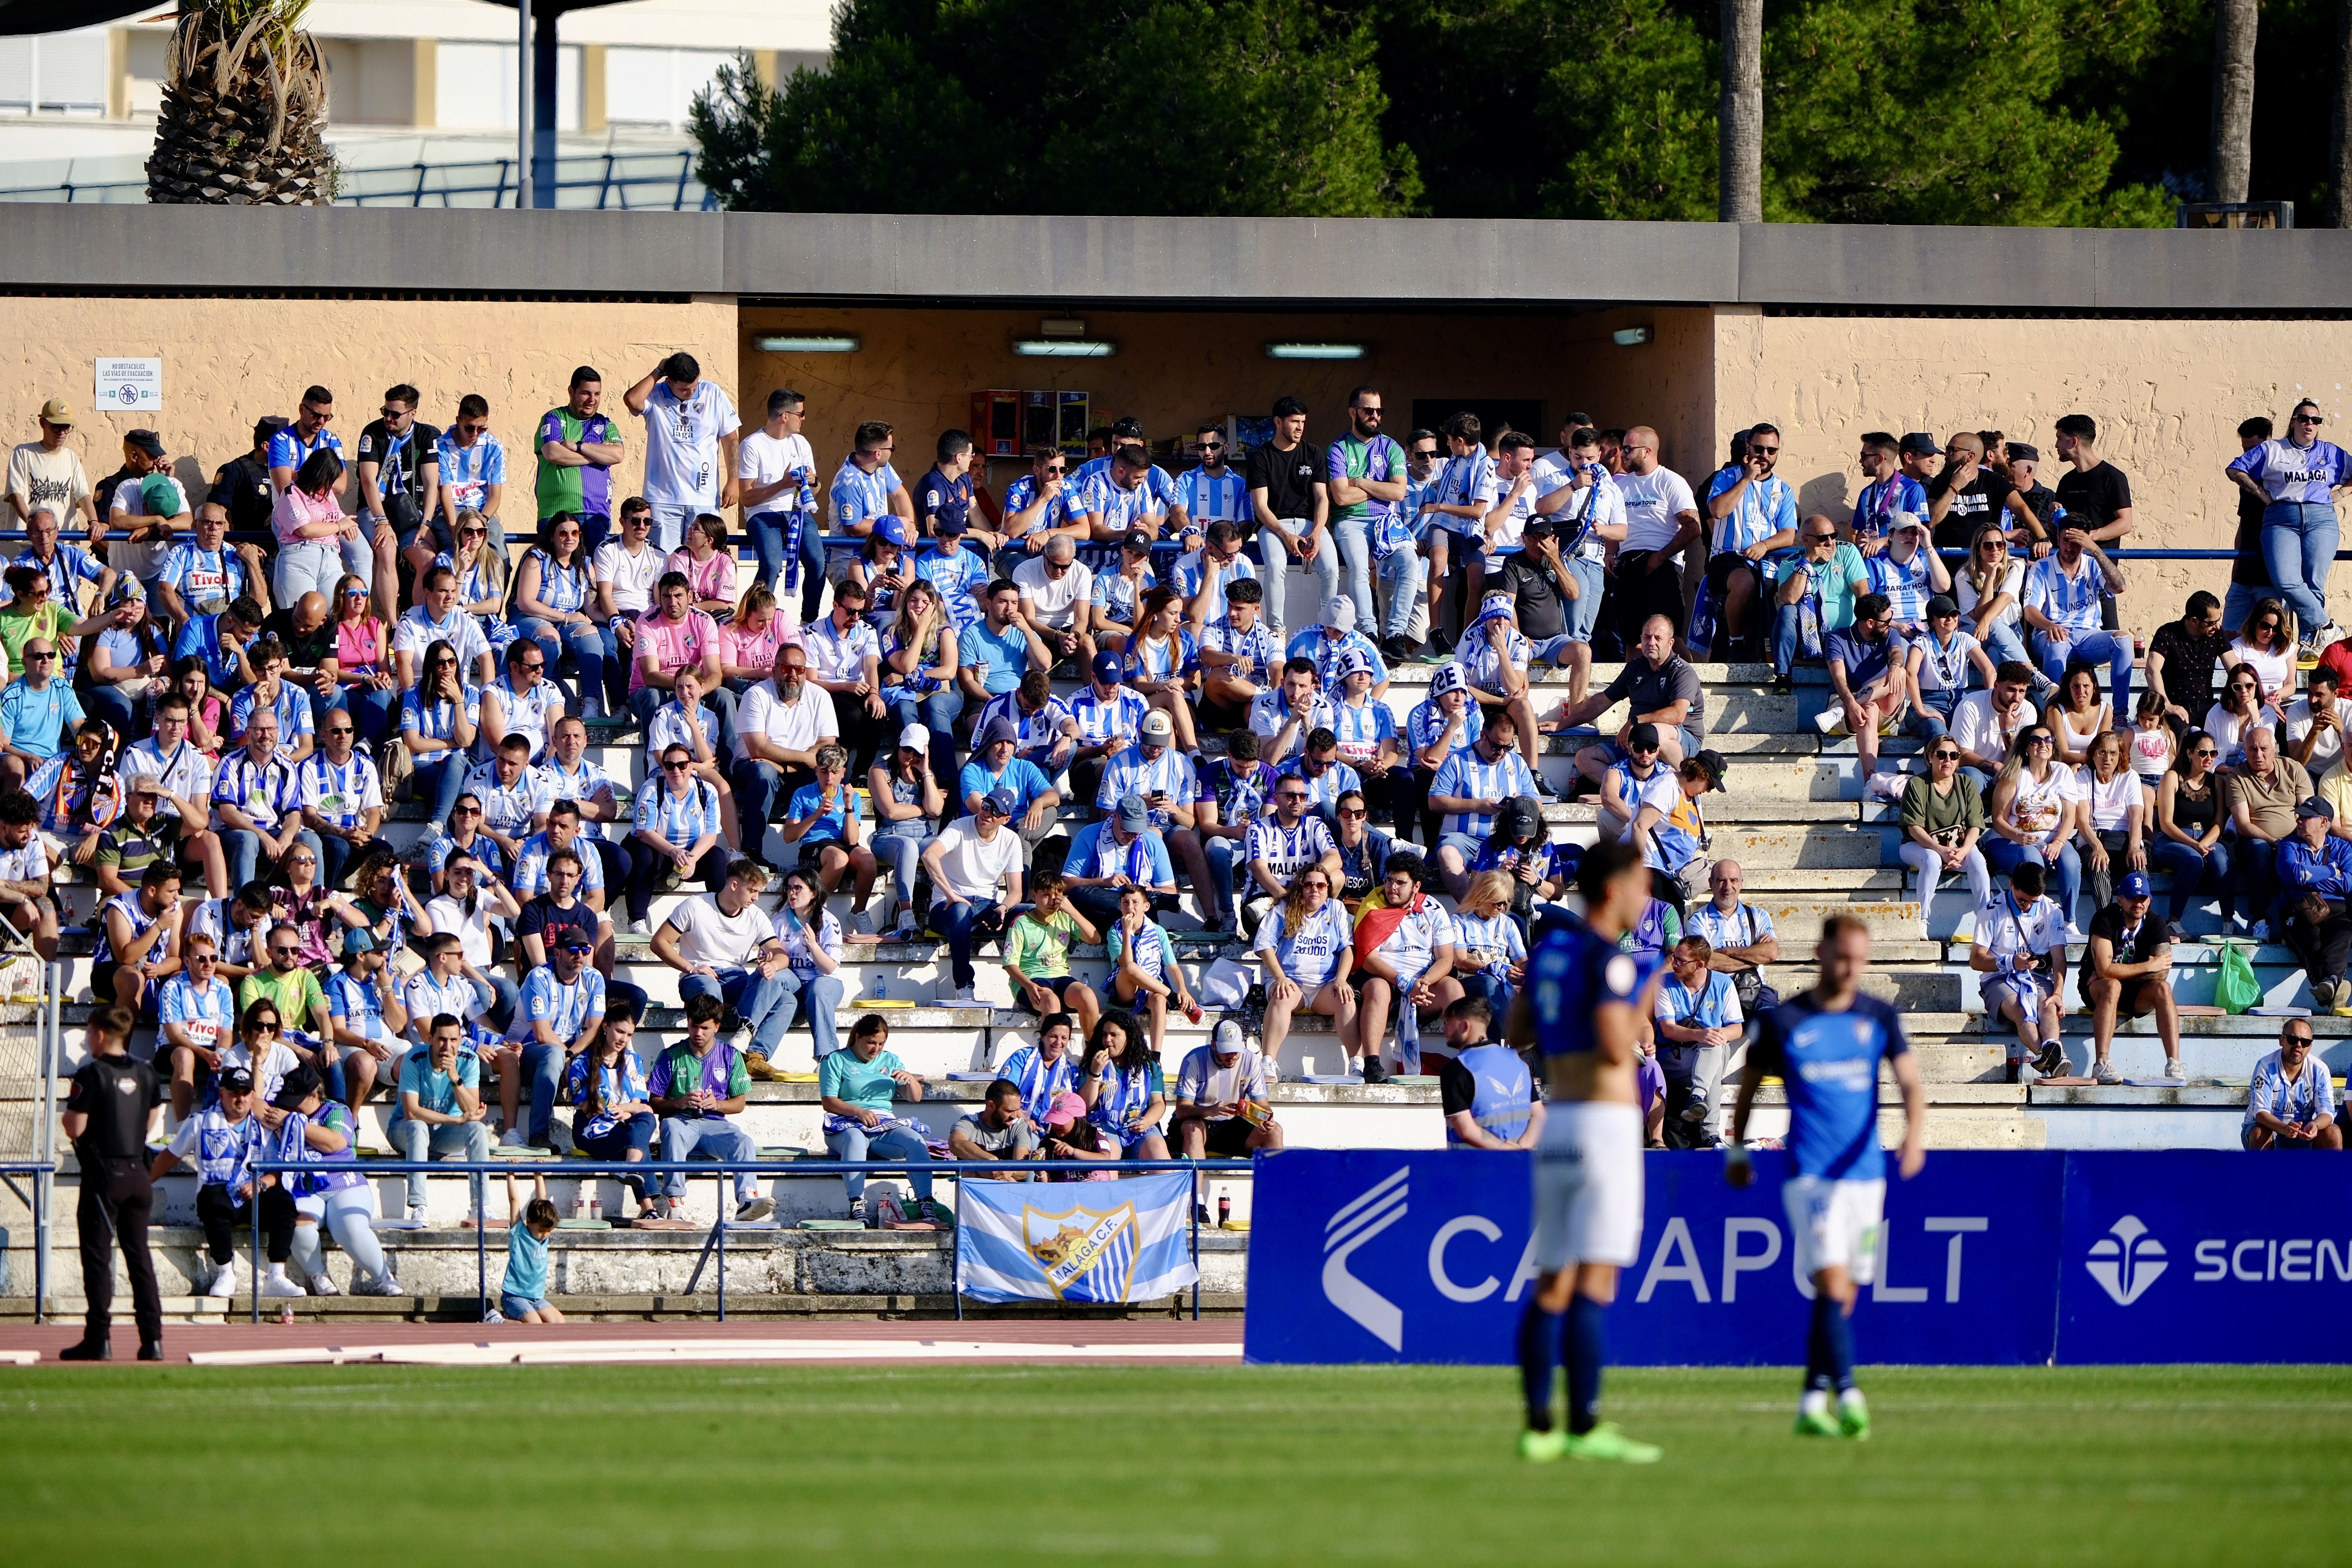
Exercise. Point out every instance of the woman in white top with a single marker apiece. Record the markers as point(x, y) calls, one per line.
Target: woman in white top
point(1939, 662)
point(2264, 644)
point(2110, 826)
point(1305, 945)
point(812, 939)
point(2034, 806)
point(2240, 709)
point(1989, 589)
point(2078, 715)
point(473, 899)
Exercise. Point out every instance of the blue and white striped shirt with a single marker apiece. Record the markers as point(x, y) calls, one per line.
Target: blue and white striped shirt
point(1468, 776)
point(1034, 734)
point(1119, 510)
point(1161, 658)
point(530, 867)
point(1904, 583)
point(355, 1001)
point(436, 721)
point(1324, 788)
point(1132, 773)
point(579, 784)
point(1156, 480)
point(1209, 498)
point(1326, 650)
point(292, 708)
point(1101, 718)
point(1022, 494)
point(1460, 485)
point(467, 473)
point(563, 1008)
point(1118, 598)
point(861, 496)
point(1191, 571)
point(1285, 851)
point(289, 451)
point(680, 820)
point(1485, 662)
point(560, 589)
point(2071, 601)
point(958, 575)
point(2291, 473)
point(1427, 721)
point(1257, 648)
point(201, 577)
point(1763, 510)
point(1361, 727)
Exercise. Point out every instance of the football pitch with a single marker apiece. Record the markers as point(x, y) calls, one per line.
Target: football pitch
point(952, 1465)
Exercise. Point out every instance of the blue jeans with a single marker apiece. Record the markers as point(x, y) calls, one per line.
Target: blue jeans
point(670, 521)
point(2256, 861)
point(543, 1065)
point(2298, 547)
point(2191, 871)
point(714, 1138)
point(1219, 852)
point(1932, 720)
point(2003, 646)
point(759, 787)
point(817, 999)
point(1585, 613)
point(498, 995)
point(440, 778)
point(587, 644)
point(374, 712)
point(1784, 638)
point(244, 852)
point(2003, 855)
point(758, 999)
point(768, 529)
point(636, 1131)
point(936, 713)
point(417, 1142)
point(1356, 563)
point(1402, 577)
point(964, 925)
point(854, 1143)
point(899, 854)
point(312, 566)
point(2091, 647)
point(2236, 604)
point(109, 703)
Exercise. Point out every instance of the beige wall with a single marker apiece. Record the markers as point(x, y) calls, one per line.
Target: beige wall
point(227, 362)
point(2168, 395)
point(918, 369)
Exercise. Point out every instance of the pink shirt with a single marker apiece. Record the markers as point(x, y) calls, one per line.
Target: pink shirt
point(712, 579)
point(757, 650)
point(294, 510)
point(675, 644)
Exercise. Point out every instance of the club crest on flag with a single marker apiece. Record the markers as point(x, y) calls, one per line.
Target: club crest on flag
point(1086, 1254)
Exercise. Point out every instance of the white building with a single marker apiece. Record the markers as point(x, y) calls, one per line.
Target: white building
point(414, 82)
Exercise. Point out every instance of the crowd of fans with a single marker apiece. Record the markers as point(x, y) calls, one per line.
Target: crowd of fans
point(178, 706)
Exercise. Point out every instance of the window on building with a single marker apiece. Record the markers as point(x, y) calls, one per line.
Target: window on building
point(54, 73)
point(648, 89)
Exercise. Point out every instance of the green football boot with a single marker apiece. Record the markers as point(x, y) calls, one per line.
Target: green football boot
point(1607, 1442)
point(1542, 1448)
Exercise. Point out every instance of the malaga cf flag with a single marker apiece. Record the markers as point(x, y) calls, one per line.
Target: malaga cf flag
point(1077, 1241)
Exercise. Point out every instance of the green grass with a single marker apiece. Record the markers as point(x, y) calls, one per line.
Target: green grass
point(421, 1466)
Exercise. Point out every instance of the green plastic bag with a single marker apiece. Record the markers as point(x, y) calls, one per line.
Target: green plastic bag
point(2235, 989)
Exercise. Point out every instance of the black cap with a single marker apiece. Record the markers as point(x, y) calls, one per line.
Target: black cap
point(1919, 444)
point(300, 1085)
point(2312, 805)
point(269, 425)
point(236, 1081)
point(1712, 761)
point(1641, 738)
point(2018, 452)
point(1942, 605)
point(146, 441)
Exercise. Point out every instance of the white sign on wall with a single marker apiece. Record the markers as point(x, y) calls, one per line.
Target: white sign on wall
point(129, 387)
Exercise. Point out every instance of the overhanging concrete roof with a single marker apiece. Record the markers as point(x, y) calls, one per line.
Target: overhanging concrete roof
point(1216, 262)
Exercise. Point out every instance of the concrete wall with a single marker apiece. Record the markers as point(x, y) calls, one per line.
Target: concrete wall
point(227, 362)
point(919, 369)
point(2168, 395)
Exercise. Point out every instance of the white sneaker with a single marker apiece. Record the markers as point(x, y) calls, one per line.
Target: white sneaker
point(387, 1286)
point(906, 932)
point(277, 1286)
point(416, 1213)
point(511, 1138)
point(494, 1316)
point(641, 928)
point(2104, 1072)
point(223, 1283)
point(320, 1285)
point(964, 996)
point(2172, 1068)
point(862, 923)
point(741, 1040)
point(2074, 934)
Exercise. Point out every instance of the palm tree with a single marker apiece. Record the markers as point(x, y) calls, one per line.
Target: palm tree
point(2231, 162)
point(245, 102)
point(1739, 115)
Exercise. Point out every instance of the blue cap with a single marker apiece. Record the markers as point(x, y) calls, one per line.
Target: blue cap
point(2135, 885)
point(1134, 813)
point(949, 523)
point(1108, 668)
point(358, 939)
point(1003, 802)
point(890, 530)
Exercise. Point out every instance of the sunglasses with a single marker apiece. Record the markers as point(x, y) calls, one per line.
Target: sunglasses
point(2309, 419)
point(2040, 741)
point(2205, 751)
point(473, 533)
point(1298, 795)
point(676, 767)
point(1213, 445)
point(283, 951)
point(2298, 1039)
point(1354, 812)
point(534, 668)
point(464, 811)
point(39, 654)
point(355, 593)
point(577, 947)
point(343, 730)
point(1821, 538)
point(1945, 757)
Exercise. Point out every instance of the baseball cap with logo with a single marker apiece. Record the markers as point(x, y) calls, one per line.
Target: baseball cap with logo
point(1158, 726)
point(1003, 802)
point(56, 411)
point(1919, 444)
point(236, 1081)
point(2135, 885)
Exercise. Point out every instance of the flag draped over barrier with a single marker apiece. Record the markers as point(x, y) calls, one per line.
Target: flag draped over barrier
point(1099, 1242)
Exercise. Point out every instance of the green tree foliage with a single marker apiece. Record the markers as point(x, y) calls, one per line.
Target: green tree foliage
point(1924, 111)
point(1259, 108)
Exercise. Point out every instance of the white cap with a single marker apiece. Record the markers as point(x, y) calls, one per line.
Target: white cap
point(914, 738)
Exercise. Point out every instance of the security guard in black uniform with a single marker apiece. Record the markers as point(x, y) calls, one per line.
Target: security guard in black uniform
point(112, 1103)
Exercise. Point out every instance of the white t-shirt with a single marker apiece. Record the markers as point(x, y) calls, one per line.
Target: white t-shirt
point(2037, 808)
point(2109, 801)
point(1945, 669)
point(1984, 730)
point(2013, 583)
point(632, 576)
point(54, 481)
point(2327, 753)
point(1653, 502)
point(707, 934)
point(974, 868)
point(795, 726)
point(472, 931)
point(2275, 669)
point(186, 773)
point(763, 460)
point(1057, 603)
point(682, 444)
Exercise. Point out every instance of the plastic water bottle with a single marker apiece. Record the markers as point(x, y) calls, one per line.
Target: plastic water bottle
point(882, 986)
point(596, 1206)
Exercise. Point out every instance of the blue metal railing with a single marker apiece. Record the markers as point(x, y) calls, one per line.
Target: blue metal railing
point(723, 1172)
point(605, 182)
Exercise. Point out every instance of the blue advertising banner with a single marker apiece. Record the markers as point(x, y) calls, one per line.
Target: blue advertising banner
point(2207, 1255)
point(1985, 1258)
